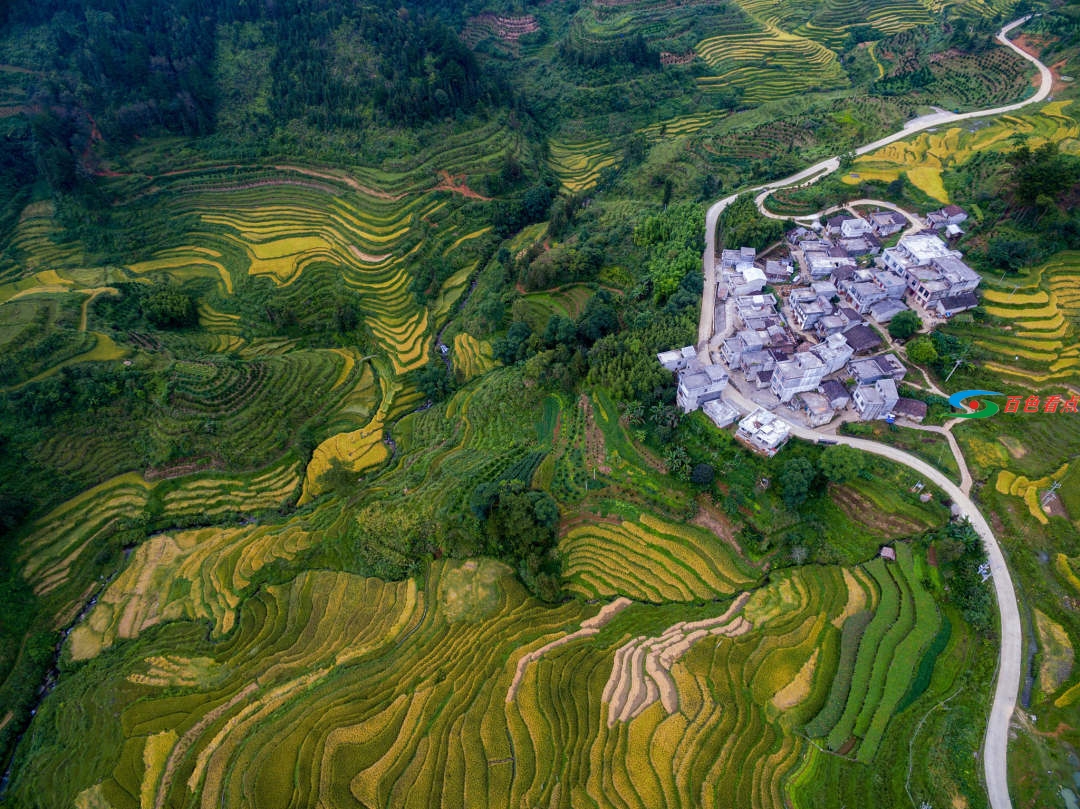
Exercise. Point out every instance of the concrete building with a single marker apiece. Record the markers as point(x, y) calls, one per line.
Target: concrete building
point(700, 385)
point(836, 393)
point(857, 246)
point(755, 306)
point(779, 271)
point(763, 432)
point(910, 409)
point(886, 310)
point(816, 407)
point(861, 337)
point(949, 215)
point(916, 250)
point(875, 401)
point(720, 412)
point(834, 353)
point(954, 304)
point(807, 308)
point(678, 358)
point(886, 223)
point(802, 372)
point(868, 370)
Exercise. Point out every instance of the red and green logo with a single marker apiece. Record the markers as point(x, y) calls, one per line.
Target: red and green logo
point(981, 409)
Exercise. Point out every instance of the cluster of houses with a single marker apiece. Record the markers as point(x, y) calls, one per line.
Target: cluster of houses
point(816, 350)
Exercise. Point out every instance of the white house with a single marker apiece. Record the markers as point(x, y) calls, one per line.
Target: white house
point(875, 401)
point(803, 371)
point(697, 386)
point(763, 432)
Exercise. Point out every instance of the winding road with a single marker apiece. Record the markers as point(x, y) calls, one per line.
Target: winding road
point(995, 744)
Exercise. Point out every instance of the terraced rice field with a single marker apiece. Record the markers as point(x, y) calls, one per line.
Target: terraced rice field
point(333, 688)
point(923, 158)
point(769, 64)
point(73, 532)
point(472, 357)
point(648, 560)
point(1042, 310)
point(1029, 490)
point(578, 164)
point(829, 22)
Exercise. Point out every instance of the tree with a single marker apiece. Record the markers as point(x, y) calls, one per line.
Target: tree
point(904, 324)
point(167, 306)
point(702, 474)
point(840, 463)
point(922, 351)
point(796, 477)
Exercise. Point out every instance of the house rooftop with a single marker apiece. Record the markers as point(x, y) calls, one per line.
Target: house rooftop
point(965, 300)
point(861, 337)
point(722, 413)
point(910, 408)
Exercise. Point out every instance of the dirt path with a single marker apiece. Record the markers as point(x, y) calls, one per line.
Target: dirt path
point(589, 627)
point(641, 671)
point(342, 178)
point(91, 297)
point(457, 184)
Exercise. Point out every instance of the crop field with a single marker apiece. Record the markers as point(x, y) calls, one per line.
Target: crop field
point(333, 688)
point(648, 560)
point(1041, 308)
point(769, 64)
point(1029, 490)
point(569, 301)
point(578, 164)
point(923, 158)
point(472, 357)
point(72, 532)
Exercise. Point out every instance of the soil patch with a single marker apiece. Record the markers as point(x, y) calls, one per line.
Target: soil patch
point(595, 448)
point(715, 521)
point(367, 257)
point(863, 511)
point(1052, 505)
point(181, 469)
point(456, 184)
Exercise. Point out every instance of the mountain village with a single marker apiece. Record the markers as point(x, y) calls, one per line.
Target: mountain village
point(803, 326)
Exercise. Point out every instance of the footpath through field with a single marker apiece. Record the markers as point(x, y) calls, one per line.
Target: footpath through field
point(995, 745)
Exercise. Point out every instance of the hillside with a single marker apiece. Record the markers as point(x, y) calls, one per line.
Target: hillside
point(336, 467)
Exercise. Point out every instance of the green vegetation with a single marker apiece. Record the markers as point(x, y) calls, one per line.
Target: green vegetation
point(329, 405)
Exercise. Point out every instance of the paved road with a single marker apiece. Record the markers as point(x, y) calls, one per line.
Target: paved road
point(995, 745)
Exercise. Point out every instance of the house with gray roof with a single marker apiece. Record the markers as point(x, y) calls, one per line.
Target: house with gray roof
point(697, 386)
point(875, 401)
point(870, 369)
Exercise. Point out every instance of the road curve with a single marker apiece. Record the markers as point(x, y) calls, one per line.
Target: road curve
point(995, 744)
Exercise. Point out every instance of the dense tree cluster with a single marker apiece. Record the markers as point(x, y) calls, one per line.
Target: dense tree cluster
point(742, 225)
point(674, 245)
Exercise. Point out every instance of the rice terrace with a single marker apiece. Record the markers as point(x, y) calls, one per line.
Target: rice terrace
point(396, 404)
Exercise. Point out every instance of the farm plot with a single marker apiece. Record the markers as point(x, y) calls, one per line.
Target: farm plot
point(856, 714)
point(333, 688)
point(922, 158)
point(1042, 309)
point(769, 64)
point(472, 357)
point(578, 164)
point(73, 532)
point(648, 560)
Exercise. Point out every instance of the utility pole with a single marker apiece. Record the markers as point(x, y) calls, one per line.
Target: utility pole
point(1046, 497)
